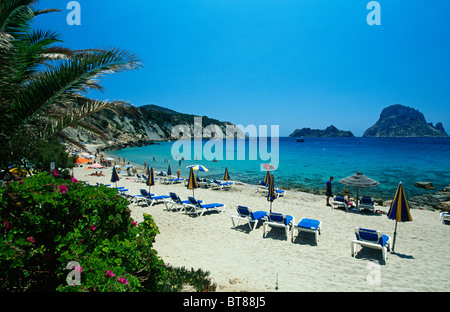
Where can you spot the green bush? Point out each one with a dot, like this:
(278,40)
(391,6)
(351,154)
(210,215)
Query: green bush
(47,222)
(46,152)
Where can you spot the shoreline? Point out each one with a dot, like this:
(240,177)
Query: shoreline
(242,260)
(418,201)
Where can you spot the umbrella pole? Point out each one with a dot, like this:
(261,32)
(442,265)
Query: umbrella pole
(357,198)
(395,236)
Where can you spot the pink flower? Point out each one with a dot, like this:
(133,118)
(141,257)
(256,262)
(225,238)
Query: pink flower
(93,227)
(78,268)
(31,239)
(7,225)
(55,173)
(134,223)
(123,280)
(74,180)
(63,188)
(109,274)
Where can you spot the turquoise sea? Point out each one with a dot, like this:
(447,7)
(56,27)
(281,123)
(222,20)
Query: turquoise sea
(308,165)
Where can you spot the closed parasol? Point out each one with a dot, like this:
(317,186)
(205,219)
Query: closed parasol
(226,177)
(271,194)
(150,179)
(192,182)
(115,176)
(399,210)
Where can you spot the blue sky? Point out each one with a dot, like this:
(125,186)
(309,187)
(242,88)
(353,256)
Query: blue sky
(293,63)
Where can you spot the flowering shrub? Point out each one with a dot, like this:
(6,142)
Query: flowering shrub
(47,222)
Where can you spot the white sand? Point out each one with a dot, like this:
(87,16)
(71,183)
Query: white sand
(243,260)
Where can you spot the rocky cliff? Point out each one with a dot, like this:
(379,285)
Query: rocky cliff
(403,121)
(138,126)
(329,132)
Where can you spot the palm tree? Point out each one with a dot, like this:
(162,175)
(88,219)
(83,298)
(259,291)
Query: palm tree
(43,85)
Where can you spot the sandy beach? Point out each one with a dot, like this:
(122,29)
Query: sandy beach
(243,260)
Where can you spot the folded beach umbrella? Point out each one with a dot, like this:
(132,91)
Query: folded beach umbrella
(169,171)
(115,176)
(267,178)
(399,210)
(226,176)
(150,179)
(271,195)
(359,180)
(192,182)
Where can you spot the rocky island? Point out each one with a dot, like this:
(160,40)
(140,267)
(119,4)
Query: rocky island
(403,121)
(329,132)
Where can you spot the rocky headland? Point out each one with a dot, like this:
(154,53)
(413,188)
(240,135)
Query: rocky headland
(138,126)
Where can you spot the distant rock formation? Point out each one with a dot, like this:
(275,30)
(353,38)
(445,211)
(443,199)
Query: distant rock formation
(139,126)
(403,121)
(329,132)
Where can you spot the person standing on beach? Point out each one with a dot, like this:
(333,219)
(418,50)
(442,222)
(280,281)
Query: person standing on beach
(328,190)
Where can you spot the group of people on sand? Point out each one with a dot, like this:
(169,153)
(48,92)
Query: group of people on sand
(98,174)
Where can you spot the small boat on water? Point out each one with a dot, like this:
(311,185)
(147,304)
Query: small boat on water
(300,140)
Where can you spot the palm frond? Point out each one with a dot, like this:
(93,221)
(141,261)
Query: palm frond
(42,86)
(67,79)
(74,117)
(15,16)
(65,137)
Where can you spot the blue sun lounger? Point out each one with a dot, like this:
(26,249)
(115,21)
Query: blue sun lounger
(371,239)
(246,214)
(200,208)
(175,201)
(221,185)
(444,217)
(279,220)
(340,202)
(151,198)
(367,203)
(310,226)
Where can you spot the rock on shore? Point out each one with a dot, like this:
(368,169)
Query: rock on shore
(425,185)
(437,201)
